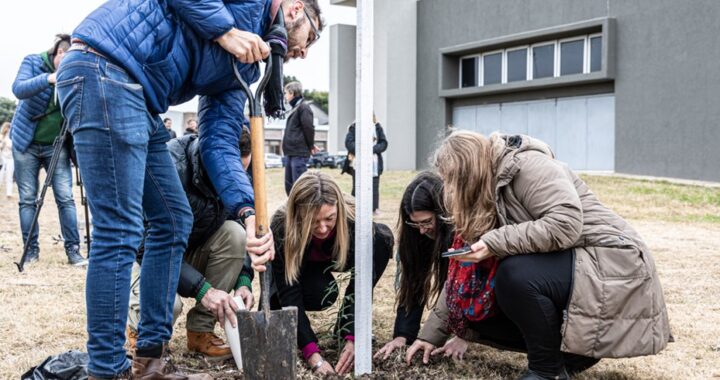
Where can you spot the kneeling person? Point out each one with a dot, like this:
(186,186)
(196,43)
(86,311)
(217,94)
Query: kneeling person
(214,263)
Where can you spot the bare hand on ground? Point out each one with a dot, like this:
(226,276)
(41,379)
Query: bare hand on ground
(454,348)
(419,345)
(221,304)
(389,347)
(261,249)
(347,359)
(245,46)
(324,370)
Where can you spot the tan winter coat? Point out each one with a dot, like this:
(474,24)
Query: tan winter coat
(616,306)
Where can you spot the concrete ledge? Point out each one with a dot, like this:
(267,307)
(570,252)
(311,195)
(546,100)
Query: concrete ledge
(676,181)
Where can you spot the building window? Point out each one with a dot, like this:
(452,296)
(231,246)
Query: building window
(543,61)
(492,68)
(572,54)
(468,72)
(595,53)
(516,65)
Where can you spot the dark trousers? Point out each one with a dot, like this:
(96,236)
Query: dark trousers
(376,191)
(532,291)
(295,166)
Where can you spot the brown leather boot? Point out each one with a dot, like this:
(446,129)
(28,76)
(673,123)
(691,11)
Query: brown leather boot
(131,339)
(161,369)
(208,344)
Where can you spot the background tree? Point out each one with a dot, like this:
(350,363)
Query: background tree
(320,98)
(7,109)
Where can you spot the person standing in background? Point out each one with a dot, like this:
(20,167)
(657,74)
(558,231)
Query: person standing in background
(299,138)
(379,146)
(8,166)
(191,127)
(168,125)
(36,124)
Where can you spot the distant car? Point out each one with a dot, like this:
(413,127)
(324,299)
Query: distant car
(273,160)
(317,160)
(340,159)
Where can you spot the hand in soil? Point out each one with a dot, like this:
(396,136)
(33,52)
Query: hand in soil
(454,348)
(347,358)
(324,370)
(389,347)
(419,345)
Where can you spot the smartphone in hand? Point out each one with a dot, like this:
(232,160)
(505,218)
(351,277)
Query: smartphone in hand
(457,252)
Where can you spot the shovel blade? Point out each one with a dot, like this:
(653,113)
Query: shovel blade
(268,343)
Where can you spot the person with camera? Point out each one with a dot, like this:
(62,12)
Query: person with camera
(128,62)
(36,124)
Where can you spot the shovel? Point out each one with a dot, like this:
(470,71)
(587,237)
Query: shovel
(267,337)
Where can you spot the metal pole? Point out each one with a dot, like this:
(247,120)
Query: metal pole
(363,188)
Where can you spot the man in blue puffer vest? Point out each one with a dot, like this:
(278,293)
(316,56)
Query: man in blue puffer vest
(36,124)
(129,61)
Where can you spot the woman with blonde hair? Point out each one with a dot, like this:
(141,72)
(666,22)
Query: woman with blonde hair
(6,158)
(553,271)
(314,236)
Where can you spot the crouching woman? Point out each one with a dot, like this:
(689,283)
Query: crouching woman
(552,271)
(314,236)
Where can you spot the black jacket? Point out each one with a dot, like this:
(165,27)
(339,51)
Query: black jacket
(299,137)
(379,147)
(292,294)
(208,211)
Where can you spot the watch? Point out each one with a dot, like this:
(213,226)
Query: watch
(244,214)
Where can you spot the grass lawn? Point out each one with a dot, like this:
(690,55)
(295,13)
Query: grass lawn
(44,309)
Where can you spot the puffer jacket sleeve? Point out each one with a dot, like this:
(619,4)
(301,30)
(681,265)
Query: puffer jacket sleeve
(545,190)
(26,84)
(221,121)
(210,19)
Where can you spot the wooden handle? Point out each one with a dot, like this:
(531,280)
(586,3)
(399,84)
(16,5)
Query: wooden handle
(257,142)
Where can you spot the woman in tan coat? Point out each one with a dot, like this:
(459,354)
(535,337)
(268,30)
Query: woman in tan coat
(551,271)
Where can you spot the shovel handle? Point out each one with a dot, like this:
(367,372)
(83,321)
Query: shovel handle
(257,143)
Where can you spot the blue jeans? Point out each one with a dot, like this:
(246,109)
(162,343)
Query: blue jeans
(128,174)
(295,166)
(27,169)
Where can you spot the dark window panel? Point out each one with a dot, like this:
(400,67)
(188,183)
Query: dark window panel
(492,69)
(468,78)
(571,57)
(543,61)
(517,65)
(595,54)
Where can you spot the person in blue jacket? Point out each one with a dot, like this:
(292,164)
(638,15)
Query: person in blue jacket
(129,61)
(36,124)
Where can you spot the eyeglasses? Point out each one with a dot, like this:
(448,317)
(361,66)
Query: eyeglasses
(314,29)
(425,224)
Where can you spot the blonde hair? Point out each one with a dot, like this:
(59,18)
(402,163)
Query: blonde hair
(464,160)
(310,192)
(5,129)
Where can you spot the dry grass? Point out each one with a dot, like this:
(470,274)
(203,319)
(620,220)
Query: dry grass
(43,308)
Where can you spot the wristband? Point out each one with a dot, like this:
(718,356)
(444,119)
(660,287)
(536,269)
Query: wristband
(246,213)
(206,286)
(318,364)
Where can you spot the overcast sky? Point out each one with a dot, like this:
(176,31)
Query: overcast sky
(28,26)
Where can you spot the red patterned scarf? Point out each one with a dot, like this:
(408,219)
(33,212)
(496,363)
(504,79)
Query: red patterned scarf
(470,290)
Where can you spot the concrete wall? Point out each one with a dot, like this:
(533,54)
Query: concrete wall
(341,99)
(665,85)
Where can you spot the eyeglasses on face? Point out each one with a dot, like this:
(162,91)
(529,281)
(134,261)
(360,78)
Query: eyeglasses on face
(316,33)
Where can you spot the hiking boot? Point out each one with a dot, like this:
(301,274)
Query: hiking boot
(131,337)
(33,255)
(127,375)
(208,344)
(74,257)
(161,369)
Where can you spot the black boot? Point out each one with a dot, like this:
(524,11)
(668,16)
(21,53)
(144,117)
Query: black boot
(531,375)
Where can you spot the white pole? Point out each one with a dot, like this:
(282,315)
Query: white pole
(363,188)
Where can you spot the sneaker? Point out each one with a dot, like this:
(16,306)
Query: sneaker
(208,344)
(33,255)
(75,258)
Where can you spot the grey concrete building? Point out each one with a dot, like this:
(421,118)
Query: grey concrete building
(624,86)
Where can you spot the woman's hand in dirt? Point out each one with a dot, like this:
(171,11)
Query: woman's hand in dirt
(347,359)
(390,346)
(246,295)
(454,348)
(418,345)
(324,369)
(480,252)
(221,305)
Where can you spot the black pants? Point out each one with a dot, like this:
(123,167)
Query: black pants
(295,166)
(376,191)
(532,291)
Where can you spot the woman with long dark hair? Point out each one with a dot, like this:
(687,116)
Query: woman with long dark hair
(423,234)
